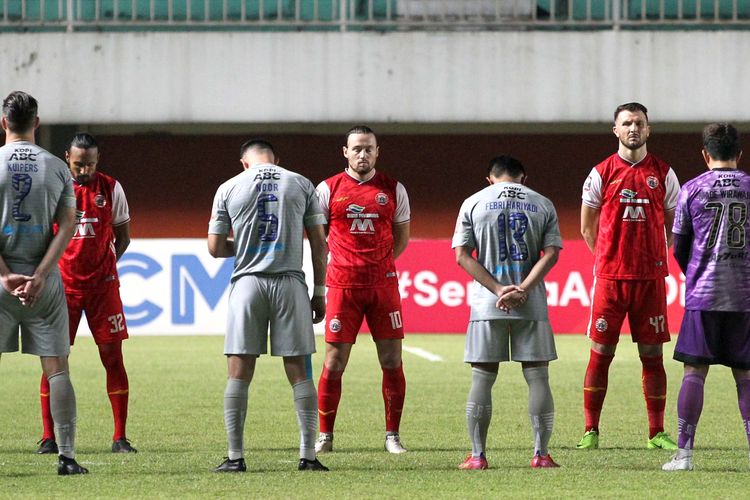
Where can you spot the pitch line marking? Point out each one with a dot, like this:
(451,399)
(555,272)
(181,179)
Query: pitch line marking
(418,351)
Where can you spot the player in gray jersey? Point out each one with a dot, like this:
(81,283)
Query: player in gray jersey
(515,235)
(267,209)
(711,229)
(36,192)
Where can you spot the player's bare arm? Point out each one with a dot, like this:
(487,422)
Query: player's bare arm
(516,298)
(668,220)
(319,251)
(65,219)
(400,238)
(122,238)
(590,225)
(220,246)
(467,261)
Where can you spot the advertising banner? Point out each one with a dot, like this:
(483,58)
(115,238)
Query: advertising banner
(173,286)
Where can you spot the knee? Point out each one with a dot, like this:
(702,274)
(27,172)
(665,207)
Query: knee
(111,357)
(390,361)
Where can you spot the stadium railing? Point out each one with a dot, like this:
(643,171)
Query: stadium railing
(355,15)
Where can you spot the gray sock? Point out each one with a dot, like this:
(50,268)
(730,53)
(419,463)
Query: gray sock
(306,406)
(541,407)
(479,409)
(235,409)
(62,405)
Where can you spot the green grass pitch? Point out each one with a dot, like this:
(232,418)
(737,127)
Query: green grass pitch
(176,422)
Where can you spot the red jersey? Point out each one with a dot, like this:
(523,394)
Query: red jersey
(632,198)
(360,218)
(89,262)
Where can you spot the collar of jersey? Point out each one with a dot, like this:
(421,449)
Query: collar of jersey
(630,162)
(346,170)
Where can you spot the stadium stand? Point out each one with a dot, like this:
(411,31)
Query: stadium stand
(345,15)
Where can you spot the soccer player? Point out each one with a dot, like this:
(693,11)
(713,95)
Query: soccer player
(628,201)
(89,273)
(710,244)
(516,237)
(368,228)
(35,193)
(267,208)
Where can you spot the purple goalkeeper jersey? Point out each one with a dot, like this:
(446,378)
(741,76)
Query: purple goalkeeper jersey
(712,211)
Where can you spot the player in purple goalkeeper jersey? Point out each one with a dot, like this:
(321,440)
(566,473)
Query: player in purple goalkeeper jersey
(711,229)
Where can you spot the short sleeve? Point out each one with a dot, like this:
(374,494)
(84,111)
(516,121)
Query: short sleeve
(220,222)
(324,198)
(592,190)
(552,236)
(120,210)
(403,211)
(463,234)
(682,222)
(313,211)
(672,188)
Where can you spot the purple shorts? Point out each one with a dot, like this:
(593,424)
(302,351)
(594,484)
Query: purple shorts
(714,338)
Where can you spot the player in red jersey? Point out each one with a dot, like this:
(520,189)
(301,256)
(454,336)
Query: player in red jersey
(368,228)
(628,201)
(89,273)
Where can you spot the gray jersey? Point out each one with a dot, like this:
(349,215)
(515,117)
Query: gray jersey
(33,185)
(266,207)
(509,225)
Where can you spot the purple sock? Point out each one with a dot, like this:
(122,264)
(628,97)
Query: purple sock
(743,398)
(689,407)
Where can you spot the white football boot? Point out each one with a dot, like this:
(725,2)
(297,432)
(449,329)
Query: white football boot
(393,443)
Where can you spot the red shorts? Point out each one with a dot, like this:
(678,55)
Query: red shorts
(103,313)
(347,307)
(645,303)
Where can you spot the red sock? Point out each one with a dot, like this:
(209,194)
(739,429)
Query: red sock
(394,392)
(655,392)
(329,395)
(595,387)
(47,423)
(117,385)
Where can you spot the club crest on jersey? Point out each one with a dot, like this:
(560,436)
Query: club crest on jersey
(601,325)
(381,198)
(652,182)
(100,201)
(335,325)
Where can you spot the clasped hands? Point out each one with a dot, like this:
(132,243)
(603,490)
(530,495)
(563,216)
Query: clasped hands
(510,297)
(26,288)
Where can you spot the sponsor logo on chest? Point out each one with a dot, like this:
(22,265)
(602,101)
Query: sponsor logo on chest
(85,226)
(362,222)
(634,210)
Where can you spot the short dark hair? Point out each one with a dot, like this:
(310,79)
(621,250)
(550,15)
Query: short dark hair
(507,165)
(257,145)
(633,107)
(83,140)
(359,129)
(722,141)
(20,111)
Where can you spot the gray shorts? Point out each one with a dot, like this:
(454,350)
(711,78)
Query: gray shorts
(44,327)
(493,341)
(281,302)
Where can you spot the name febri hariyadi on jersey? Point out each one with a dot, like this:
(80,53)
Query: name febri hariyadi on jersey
(511,205)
